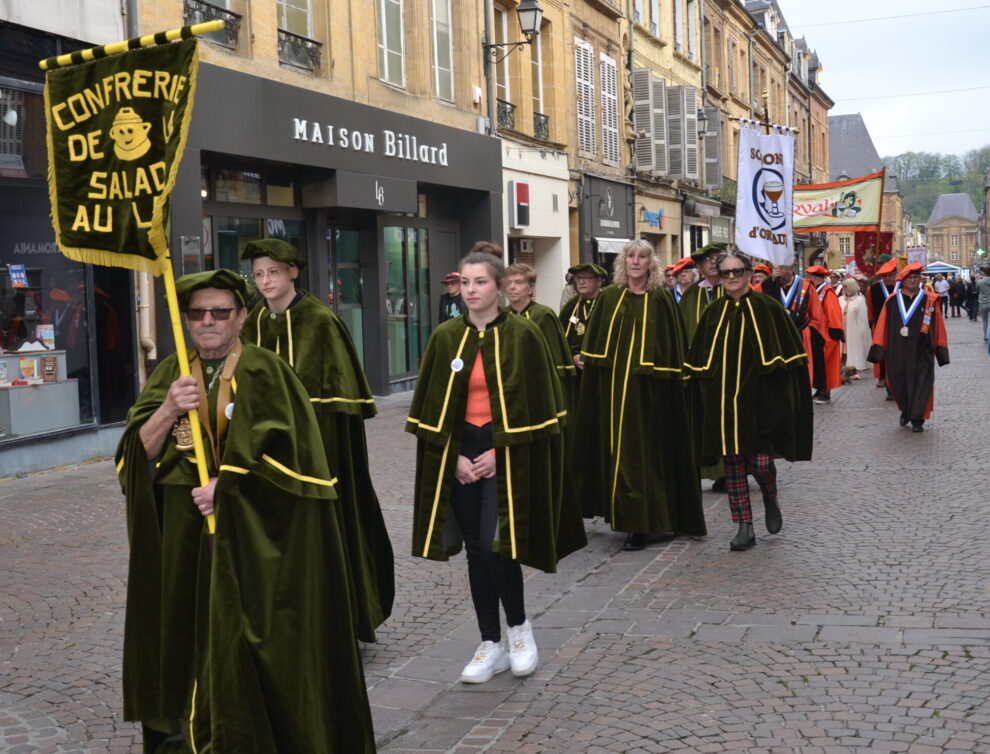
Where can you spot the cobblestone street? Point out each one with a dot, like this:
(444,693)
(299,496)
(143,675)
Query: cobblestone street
(863,626)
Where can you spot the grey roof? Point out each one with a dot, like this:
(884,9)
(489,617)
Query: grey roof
(953,204)
(850,149)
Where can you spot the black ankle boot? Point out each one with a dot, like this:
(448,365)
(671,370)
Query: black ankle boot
(918,425)
(775,521)
(744,538)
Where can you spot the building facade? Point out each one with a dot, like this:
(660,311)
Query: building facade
(68,365)
(952,231)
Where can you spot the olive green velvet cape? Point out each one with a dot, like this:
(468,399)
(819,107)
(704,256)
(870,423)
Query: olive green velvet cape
(250,634)
(632,446)
(546,319)
(693,302)
(318,347)
(748,374)
(527,408)
(574,316)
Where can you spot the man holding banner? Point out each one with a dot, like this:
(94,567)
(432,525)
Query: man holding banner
(826,356)
(223,631)
(238,606)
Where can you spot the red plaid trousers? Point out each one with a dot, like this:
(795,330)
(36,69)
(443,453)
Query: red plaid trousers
(761,466)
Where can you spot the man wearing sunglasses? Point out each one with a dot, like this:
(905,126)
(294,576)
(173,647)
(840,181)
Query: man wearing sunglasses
(750,395)
(223,630)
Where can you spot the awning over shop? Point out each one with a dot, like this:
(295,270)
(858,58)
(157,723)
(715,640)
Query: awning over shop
(611,245)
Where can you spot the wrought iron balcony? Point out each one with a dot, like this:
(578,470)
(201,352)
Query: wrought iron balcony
(200,11)
(727,193)
(299,51)
(541,126)
(506,114)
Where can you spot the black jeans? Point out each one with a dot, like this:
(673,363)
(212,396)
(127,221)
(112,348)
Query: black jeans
(492,578)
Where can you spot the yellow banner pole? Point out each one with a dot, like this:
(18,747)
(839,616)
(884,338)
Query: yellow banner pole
(162,37)
(183,356)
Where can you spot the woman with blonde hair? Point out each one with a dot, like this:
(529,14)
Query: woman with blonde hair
(633,448)
(857,327)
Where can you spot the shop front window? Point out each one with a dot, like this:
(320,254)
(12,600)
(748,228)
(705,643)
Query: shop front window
(238,186)
(407,297)
(231,235)
(346,285)
(22,134)
(46,380)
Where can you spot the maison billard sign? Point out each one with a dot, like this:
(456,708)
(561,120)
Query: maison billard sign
(389,143)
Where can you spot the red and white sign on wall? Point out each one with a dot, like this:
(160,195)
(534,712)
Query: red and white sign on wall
(519,204)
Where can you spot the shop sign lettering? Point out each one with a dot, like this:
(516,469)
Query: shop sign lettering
(389,143)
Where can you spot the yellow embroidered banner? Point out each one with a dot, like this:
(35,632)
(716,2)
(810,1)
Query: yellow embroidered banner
(117,129)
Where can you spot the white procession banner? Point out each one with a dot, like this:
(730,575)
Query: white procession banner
(764,218)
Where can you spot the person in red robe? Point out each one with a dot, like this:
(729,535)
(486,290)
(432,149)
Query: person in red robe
(826,356)
(910,336)
(876,295)
(799,297)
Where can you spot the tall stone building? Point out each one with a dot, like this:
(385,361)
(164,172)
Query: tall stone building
(952,230)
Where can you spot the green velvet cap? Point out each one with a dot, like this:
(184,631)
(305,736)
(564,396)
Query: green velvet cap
(588,267)
(223,279)
(883,258)
(707,249)
(275,248)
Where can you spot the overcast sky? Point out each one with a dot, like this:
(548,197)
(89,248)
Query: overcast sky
(865,62)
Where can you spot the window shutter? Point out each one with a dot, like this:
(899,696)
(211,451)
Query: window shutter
(642,91)
(610,110)
(661,166)
(583,71)
(682,133)
(713,149)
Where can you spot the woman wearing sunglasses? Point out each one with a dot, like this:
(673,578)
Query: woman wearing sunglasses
(316,344)
(748,375)
(632,445)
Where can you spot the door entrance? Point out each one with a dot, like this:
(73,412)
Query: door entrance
(345,284)
(407,297)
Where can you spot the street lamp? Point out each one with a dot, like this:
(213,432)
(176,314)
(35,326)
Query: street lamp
(530,15)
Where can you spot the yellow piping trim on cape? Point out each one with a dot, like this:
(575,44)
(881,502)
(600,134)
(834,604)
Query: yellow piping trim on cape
(501,395)
(724,367)
(235,469)
(512,513)
(735,398)
(446,398)
(436,500)
(759,339)
(642,344)
(257,324)
(301,477)
(711,353)
(192,717)
(622,416)
(288,329)
(611,411)
(342,400)
(120,465)
(608,337)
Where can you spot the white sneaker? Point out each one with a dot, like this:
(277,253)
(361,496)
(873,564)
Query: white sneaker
(489,658)
(522,649)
